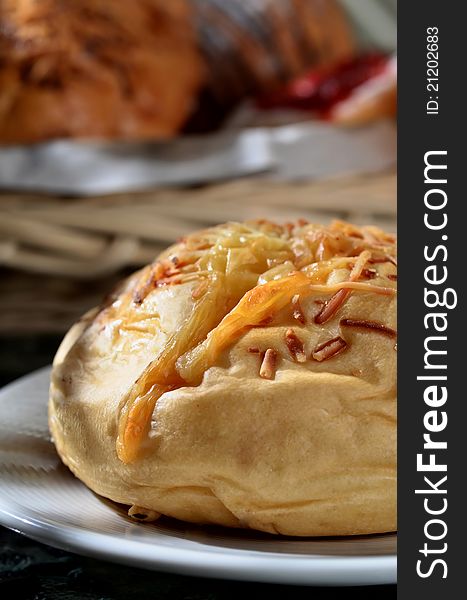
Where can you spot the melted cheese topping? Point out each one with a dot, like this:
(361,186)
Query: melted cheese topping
(246,273)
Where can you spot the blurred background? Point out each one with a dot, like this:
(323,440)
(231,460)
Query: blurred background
(124,126)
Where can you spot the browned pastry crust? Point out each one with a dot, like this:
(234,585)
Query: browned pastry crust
(96,68)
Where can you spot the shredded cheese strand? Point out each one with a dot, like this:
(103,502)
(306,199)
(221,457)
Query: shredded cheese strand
(334,303)
(161,375)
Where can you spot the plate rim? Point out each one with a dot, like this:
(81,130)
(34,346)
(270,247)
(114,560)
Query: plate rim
(231,563)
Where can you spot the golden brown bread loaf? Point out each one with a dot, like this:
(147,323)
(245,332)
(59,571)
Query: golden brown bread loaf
(96,68)
(142,69)
(246,378)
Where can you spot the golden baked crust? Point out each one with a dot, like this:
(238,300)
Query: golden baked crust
(96,68)
(246,378)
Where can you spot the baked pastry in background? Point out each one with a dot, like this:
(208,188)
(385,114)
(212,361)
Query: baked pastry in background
(353,92)
(96,68)
(376,98)
(147,68)
(246,378)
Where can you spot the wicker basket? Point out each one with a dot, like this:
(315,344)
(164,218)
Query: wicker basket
(62,254)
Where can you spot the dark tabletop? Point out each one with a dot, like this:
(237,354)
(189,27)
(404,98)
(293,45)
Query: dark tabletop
(29,570)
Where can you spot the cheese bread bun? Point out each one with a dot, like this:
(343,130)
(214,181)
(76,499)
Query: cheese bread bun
(246,378)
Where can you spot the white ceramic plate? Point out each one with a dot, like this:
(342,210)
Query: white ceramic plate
(41,498)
